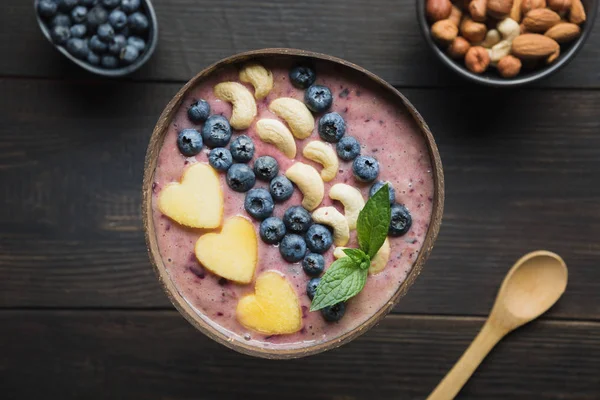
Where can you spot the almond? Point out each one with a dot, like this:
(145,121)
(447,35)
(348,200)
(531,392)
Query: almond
(499,8)
(444,31)
(528,5)
(540,20)
(563,32)
(577,13)
(533,45)
(560,6)
(438,9)
(553,56)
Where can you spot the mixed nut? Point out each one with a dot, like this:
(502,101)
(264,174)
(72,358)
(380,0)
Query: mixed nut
(505,34)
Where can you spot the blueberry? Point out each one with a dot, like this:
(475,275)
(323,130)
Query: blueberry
(189,142)
(117,44)
(242,149)
(97,45)
(67,5)
(348,148)
(106,33)
(78,31)
(220,159)
(61,20)
(240,178)
(313,264)
(297,219)
(216,132)
(292,248)
(88,3)
(302,76)
(109,62)
(130,6)
(281,188)
(401,220)
(272,230)
(365,168)
(259,203)
(110,3)
(311,287)
(266,168)
(96,17)
(377,185)
(60,34)
(334,313)
(199,110)
(93,58)
(138,22)
(79,14)
(129,54)
(318,98)
(332,127)
(318,238)
(78,48)
(138,43)
(118,19)
(47,8)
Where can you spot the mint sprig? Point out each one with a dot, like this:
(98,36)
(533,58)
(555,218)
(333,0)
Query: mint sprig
(346,277)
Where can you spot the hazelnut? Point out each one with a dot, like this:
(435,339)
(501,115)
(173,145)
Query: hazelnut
(477,59)
(509,66)
(459,48)
(477,9)
(528,5)
(438,9)
(499,8)
(455,15)
(473,31)
(444,31)
(560,6)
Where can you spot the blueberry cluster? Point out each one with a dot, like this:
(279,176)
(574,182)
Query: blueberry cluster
(106,33)
(401,220)
(332,127)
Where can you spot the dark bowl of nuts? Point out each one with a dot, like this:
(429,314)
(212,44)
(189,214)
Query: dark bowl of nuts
(506,42)
(106,37)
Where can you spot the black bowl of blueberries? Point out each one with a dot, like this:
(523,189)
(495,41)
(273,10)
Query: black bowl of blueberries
(106,37)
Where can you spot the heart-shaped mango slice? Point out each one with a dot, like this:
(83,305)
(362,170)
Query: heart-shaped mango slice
(232,253)
(273,309)
(196,201)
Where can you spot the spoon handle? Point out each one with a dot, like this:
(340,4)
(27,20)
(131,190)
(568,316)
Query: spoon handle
(449,387)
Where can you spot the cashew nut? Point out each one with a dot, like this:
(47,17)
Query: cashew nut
(295,113)
(509,29)
(332,217)
(499,50)
(378,262)
(491,38)
(259,77)
(309,182)
(352,200)
(324,154)
(275,132)
(244,106)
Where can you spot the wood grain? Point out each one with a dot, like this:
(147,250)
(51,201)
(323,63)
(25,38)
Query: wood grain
(380,35)
(157,355)
(71,160)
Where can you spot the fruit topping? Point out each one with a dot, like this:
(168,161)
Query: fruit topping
(259,203)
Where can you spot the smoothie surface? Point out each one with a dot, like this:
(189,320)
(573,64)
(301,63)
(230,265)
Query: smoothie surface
(385,130)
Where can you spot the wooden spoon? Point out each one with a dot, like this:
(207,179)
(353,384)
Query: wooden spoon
(529,289)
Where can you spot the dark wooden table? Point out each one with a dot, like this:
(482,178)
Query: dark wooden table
(82,315)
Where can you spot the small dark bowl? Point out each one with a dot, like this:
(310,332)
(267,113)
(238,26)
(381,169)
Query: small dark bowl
(116,72)
(491,77)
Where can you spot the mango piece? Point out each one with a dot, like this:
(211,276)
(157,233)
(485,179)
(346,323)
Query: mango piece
(196,201)
(273,309)
(231,253)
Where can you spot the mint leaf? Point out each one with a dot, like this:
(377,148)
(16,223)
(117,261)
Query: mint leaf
(355,254)
(374,222)
(342,280)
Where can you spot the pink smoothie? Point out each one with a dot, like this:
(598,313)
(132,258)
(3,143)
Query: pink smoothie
(385,130)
